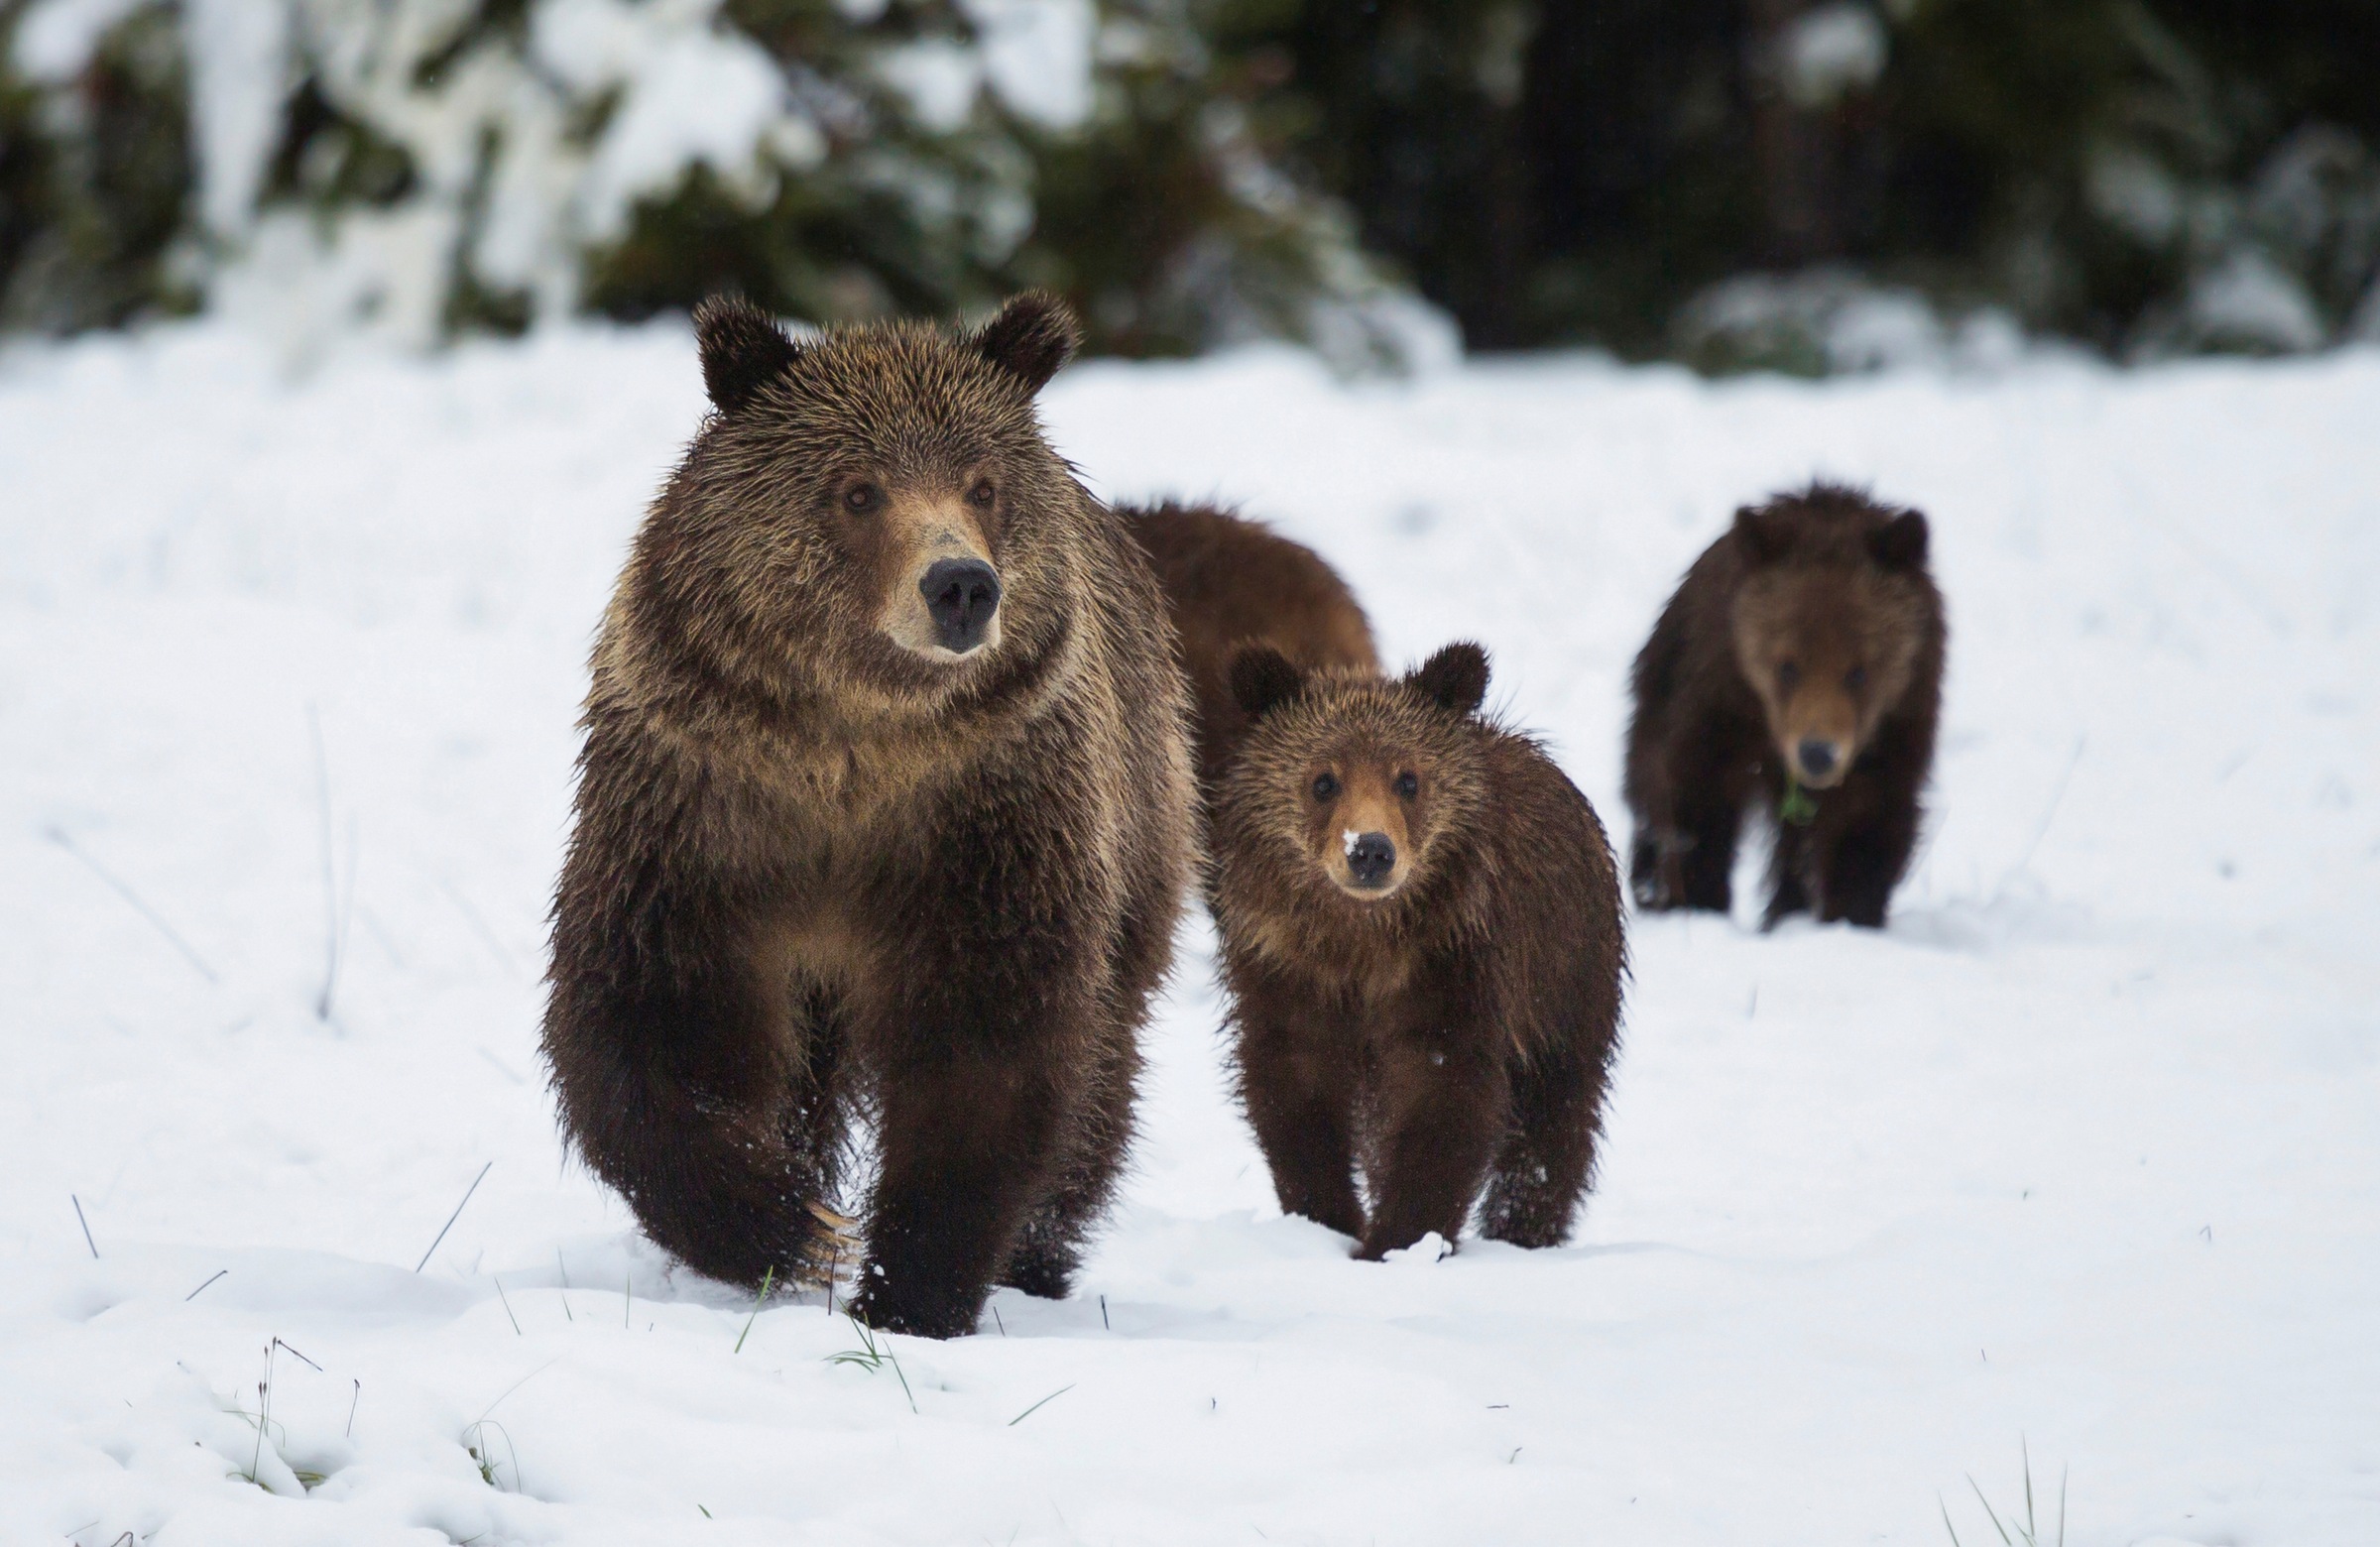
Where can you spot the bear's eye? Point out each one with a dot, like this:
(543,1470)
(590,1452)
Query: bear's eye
(1789,676)
(981,495)
(1326,787)
(862,498)
(1407,786)
(1855,678)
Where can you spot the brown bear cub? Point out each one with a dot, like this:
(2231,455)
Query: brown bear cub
(885,811)
(1232,581)
(1800,662)
(1421,938)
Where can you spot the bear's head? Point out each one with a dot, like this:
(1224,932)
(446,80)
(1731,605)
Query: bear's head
(1828,620)
(873,513)
(1347,784)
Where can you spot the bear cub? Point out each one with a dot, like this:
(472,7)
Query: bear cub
(1799,664)
(1420,924)
(883,820)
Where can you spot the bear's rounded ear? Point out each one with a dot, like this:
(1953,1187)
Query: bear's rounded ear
(1264,679)
(743,350)
(1764,532)
(1034,335)
(1456,678)
(1900,544)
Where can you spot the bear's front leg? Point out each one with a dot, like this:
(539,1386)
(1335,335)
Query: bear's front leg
(1442,1097)
(1864,835)
(1865,868)
(1298,1061)
(1547,1154)
(967,1137)
(980,1051)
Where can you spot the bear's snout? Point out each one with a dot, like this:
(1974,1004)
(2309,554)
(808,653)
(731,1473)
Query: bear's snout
(961,596)
(1370,859)
(1817,759)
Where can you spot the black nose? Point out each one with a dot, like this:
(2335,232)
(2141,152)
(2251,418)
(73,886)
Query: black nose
(1370,858)
(1816,756)
(961,594)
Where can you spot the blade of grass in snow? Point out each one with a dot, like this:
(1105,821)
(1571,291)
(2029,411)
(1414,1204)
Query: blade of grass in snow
(758,1300)
(873,1356)
(456,1215)
(57,835)
(1044,1402)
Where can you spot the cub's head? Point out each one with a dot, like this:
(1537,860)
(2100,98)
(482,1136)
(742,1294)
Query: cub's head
(876,506)
(1834,611)
(1347,785)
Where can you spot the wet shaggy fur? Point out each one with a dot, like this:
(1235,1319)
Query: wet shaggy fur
(1812,628)
(825,866)
(1231,581)
(1451,1030)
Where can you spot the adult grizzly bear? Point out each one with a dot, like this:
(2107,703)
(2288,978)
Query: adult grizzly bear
(1421,937)
(885,808)
(1800,661)
(1231,581)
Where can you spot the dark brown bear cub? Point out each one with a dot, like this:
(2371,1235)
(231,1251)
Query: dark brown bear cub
(1800,664)
(1232,581)
(884,808)
(1421,938)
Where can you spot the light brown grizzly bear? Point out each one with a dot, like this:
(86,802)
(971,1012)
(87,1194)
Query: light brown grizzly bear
(884,808)
(1232,581)
(1799,662)
(1421,938)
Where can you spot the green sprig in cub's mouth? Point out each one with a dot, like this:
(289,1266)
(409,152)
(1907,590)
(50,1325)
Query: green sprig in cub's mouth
(1799,806)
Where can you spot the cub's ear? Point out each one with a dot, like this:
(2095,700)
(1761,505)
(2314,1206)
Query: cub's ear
(1764,532)
(1033,335)
(1900,544)
(1264,679)
(1454,679)
(743,350)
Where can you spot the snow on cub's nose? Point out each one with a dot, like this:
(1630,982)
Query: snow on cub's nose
(1370,856)
(1365,845)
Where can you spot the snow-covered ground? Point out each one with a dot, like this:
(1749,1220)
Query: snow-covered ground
(2082,1155)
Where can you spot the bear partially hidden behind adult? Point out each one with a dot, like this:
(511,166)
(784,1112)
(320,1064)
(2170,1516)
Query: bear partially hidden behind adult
(885,808)
(1799,665)
(1231,581)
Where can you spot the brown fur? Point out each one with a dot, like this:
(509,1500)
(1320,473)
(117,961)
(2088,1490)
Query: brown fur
(1232,581)
(823,866)
(1813,622)
(1452,1028)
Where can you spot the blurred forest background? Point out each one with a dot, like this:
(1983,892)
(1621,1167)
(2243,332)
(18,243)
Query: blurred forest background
(1802,185)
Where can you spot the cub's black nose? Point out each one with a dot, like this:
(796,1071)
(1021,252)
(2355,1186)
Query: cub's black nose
(1370,858)
(1815,757)
(961,595)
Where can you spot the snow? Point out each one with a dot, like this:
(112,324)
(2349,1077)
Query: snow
(692,93)
(1832,50)
(2082,1155)
(239,59)
(54,39)
(1037,54)
(939,77)
(2249,299)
